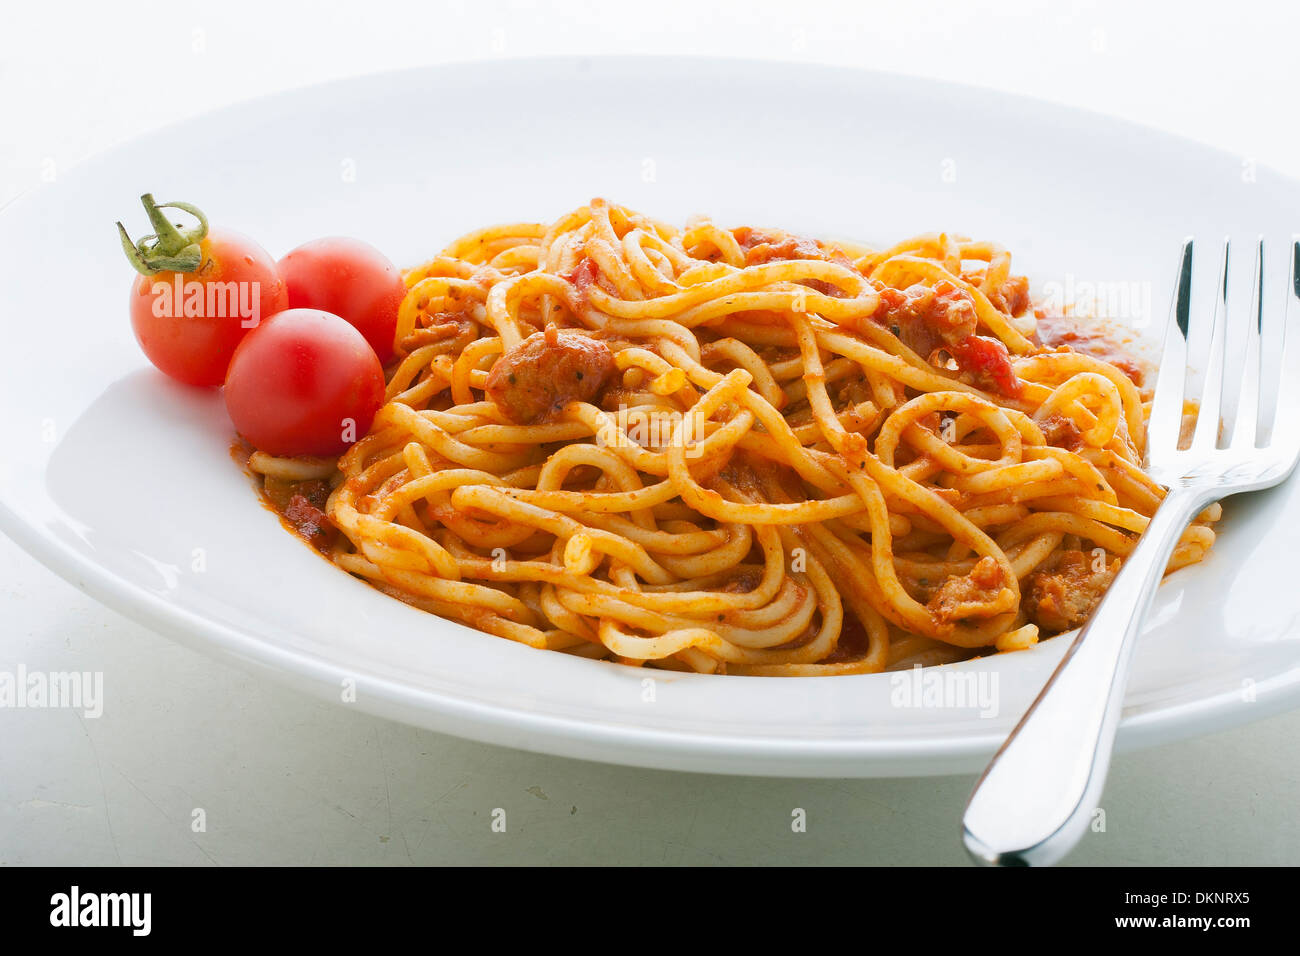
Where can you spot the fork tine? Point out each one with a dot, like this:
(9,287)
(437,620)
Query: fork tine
(1206,352)
(1244,424)
(1166,419)
(1281,414)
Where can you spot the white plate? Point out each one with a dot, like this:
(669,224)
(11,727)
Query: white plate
(123,482)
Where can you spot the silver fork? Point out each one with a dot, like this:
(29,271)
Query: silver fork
(1037,796)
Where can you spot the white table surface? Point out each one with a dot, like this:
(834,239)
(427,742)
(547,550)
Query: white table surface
(286,779)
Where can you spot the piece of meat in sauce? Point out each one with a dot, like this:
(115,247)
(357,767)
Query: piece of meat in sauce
(302,505)
(962,595)
(941,319)
(1013,296)
(1061,597)
(761,246)
(538,377)
(582,277)
(1062,432)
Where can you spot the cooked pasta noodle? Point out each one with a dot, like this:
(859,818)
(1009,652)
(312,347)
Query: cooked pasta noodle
(736,451)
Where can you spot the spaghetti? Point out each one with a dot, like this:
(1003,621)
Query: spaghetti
(736,451)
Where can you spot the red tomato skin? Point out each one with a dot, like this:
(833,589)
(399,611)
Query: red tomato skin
(196,349)
(352,279)
(304,382)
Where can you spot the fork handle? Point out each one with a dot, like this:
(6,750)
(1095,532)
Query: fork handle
(1038,795)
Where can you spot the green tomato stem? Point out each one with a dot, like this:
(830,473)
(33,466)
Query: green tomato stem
(171,247)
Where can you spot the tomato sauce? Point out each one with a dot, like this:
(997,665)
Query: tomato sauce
(300,505)
(854,643)
(1091,337)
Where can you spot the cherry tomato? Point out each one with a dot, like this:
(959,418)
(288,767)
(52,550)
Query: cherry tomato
(198,294)
(304,382)
(352,279)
